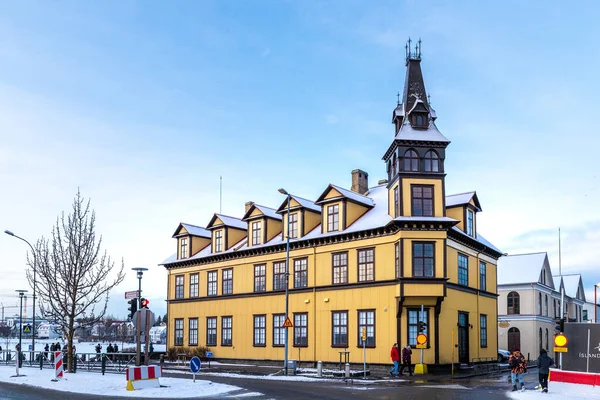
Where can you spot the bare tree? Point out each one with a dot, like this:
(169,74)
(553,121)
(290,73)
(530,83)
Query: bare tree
(74,278)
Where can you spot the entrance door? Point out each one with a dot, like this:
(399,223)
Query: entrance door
(463,337)
(514,339)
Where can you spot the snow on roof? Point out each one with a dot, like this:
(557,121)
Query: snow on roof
(426,219)
(556,280)
(520,268)
(571,283)
(268,211)
(196,230)
(359,198)
(459,199)
(431,134)
(480,239)
(170,259)
(232,221)
(307,203)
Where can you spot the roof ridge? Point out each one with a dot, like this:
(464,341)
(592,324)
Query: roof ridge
(350,190)
(228,216)
(187,223)
(527,254)
(303,198)
(458,194)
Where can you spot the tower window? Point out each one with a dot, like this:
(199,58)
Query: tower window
(419,120)
(432,161)
(470,230)
(411,161)
(422,200)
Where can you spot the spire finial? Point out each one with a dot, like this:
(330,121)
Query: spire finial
(398,95)
(429,99)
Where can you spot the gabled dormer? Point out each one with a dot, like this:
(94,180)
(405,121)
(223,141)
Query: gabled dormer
(341,207)
(190,239)
(263,224)
(226,232)
(304,216)
(546,274)
(464,208)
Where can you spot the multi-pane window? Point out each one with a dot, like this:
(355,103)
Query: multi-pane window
(546,306)
(366,265)
(396,201)
(194,285)
(278,330)
(211,331)
(423,259)
(193,331)
(432,161)
(179,287)
(339,334)
(260,278)
(483,330)
(301,272)
(340,268)
(179,332)
(184,246)
(228,281)
(333,218)
(547,343)
(260,330)
(279,275)
(366,320)
(293,226)
(300,329)
(411,161)
(226,330)
(255,233)
(470,230)
(218,241)
(422,200)
(482,276)
(414,316)
(512,303)
(463,270)
(539,304)
(212,283)
(397,259)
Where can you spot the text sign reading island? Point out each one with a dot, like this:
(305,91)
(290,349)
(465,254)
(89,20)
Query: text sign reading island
(287,323)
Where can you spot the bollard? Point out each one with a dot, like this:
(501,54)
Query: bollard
(74,363)
(103,364)
(347,370)
(320,369)
(162,360)
(41,361)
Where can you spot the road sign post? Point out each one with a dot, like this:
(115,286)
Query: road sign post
(195,365)
(560,343)
(364,340)
(134,294)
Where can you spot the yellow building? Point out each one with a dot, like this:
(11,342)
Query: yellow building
(361,258)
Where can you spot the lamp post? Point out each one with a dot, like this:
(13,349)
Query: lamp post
(140,273)
(34,285)
(21,293)
(596,286)
(287,278)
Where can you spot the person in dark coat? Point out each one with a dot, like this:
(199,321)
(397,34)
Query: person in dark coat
(406,359)
(544,363)
(395,356)
(518,366)
(116,348)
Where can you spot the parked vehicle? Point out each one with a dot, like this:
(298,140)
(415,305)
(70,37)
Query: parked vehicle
(503,355)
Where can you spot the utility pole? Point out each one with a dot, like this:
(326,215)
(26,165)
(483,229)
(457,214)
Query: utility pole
(140,273)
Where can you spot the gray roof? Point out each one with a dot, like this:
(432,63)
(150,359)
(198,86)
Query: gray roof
(232,221)
(520,268)
(431,134)
(196,230)
(459,199)
(572,284)
(356,197)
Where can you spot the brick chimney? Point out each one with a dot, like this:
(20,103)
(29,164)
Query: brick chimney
(248,205)
(360,181)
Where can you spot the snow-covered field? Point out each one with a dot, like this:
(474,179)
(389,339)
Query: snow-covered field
(113,384)
(82,347)
(559,390)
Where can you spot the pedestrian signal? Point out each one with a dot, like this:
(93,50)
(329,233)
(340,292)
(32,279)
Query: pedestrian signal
(132,307)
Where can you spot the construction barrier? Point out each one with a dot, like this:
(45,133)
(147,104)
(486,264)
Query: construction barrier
(143,377)
(58,364)
(582,378)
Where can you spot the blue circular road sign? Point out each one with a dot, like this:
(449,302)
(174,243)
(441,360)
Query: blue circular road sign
(195,364)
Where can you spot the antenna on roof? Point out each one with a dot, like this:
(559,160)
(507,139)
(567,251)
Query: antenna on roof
(429,99)
(559,263)
(418,49)
(220,195)
(398,95)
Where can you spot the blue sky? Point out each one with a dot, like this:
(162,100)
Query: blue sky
(143,105)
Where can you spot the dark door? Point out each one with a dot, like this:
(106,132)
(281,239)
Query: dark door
(514,339)
(463,337)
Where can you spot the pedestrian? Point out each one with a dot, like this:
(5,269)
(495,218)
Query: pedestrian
(406,359)
(110,348)
(116,348)
(46,349)
(98,348)
(544,363)
(518,366)
(395,359)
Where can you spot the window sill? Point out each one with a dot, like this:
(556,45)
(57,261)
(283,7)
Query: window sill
(259,345)
(369,346)
(211,345)
(300,345)
(193,344)
(339,346)
(226,345)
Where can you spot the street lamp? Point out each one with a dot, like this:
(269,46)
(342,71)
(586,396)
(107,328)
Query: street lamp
(287,277)
(140,273)
(21,293)
(34,285)
(596,286)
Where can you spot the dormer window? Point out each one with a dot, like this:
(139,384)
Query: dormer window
(184,252)
(432,162)
(333,218)
(255,233)
(419,120)
(218,241)
(293,227)
(470,221)
(411,161)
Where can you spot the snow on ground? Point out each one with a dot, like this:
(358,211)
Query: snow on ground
(559,390)
(113,384)
(82,347)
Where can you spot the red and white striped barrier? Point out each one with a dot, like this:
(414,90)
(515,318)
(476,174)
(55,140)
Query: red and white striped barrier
(58,364)
(143,377)
(582,378)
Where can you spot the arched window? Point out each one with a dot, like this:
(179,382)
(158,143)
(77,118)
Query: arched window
(394,164)
(546,339)
(420,120)
(514,339)
(539,304)
(411,161)
(512,304)
(546,306)
(540,339)
(432,161)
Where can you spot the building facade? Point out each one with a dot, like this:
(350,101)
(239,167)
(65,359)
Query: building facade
(360,260)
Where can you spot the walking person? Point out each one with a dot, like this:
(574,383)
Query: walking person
(518,366)
(406,359)
(395,359)
(544,363)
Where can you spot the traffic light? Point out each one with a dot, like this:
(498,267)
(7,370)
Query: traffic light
(421,326)
(144,302)
(560,325)
(132,307)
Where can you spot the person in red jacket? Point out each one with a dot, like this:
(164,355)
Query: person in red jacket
(395,359)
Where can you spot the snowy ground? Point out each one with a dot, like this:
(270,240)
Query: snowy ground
(559,390)
(115,384)
(83,347)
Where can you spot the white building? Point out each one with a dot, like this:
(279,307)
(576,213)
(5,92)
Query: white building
(158,334)
(49,331)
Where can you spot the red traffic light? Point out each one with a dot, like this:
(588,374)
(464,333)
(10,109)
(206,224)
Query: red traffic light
(145,303)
